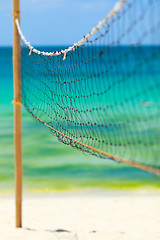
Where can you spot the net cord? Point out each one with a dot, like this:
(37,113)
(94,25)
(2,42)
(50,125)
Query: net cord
(117,7)
(144,167)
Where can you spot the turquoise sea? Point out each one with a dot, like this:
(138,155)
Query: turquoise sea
(48,164)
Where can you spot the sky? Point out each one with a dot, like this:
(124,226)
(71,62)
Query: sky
(53,22)
(60,22)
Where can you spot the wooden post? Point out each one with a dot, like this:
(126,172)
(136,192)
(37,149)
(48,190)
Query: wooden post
(17,114)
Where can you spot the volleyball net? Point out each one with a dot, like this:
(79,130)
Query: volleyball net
(102,95)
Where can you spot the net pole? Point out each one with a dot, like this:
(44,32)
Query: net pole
(17,114)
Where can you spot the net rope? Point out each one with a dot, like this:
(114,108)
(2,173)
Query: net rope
(117,7)
(102,97)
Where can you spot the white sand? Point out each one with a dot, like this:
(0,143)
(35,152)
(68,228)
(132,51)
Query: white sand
(113,216)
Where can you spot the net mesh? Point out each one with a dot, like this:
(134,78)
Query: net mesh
(104,97)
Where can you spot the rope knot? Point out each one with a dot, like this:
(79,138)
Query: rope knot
(16,103)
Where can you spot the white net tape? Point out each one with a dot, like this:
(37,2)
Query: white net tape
(117,7)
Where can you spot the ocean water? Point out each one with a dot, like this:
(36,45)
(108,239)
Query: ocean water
(110,102)
(48,164)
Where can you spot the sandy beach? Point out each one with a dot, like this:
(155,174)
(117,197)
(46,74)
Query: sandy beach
(83,216)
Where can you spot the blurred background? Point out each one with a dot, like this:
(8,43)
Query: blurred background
(48,164)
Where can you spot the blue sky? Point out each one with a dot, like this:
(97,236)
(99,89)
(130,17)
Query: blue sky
(62,22)
(53,22)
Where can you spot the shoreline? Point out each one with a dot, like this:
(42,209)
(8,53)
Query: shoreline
(93,192)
